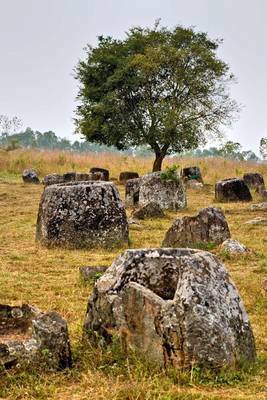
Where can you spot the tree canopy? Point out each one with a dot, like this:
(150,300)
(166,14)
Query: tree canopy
(165,88)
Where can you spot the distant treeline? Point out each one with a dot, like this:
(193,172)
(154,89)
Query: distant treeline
(50,141)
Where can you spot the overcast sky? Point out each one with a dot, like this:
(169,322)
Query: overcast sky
(42,40)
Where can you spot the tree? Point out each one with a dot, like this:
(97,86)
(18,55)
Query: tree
(46,140)
(9,125)
(158,87)
(249,155)
(231,150)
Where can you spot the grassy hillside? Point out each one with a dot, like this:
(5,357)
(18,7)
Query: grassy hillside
(49,279)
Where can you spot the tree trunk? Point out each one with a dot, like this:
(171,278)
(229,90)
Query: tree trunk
(158,162)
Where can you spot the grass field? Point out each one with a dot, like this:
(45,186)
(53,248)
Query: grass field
(49,279)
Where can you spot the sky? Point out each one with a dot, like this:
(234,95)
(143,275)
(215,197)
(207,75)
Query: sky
(41,41)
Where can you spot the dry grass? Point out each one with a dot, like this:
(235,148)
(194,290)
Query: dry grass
(12,164)
(49,279)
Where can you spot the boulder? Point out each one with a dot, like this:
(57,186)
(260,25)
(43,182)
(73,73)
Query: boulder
(192,173)
(132,189)
(232,246)
(53,179)
(31,338)
(233,189)
(82,214)
(126,175)
(150,210)
(176,307)
(209,226)
(169,194)
(97,171)
(30,176)
(255,181)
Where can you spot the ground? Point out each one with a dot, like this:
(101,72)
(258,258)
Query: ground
(49,279)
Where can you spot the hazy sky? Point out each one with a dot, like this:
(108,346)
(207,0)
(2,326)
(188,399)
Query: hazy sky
(42,40)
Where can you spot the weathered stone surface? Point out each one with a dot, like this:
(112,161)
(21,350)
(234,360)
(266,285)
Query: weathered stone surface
(233,246)
(51,333)
(209,226)
(132,189)
(31,338)
(177,307)
(53,179)
(30,176)
(192,173)
(82,214)
(169,194)
(150,210)
(233,189)
(255,181)
(90,272)
(104,173)
(126,175)
(69,177)
(259,206)
(81,176)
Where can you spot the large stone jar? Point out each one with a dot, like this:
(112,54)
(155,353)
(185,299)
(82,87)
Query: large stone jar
(82,214)
(177,307)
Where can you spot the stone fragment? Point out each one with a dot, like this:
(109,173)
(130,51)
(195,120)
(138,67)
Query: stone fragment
(29,337)
(192,173)
(169,194)
(259,206)
(176,307)
(132,189)
(233,246)
(126,175)
(53,179)
(91,272)
(30,176)
(255,181)
(193,184)
(150,210)
(209,226)
(82,214)
(104,173)
(233,189)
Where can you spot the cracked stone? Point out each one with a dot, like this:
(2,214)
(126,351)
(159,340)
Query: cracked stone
(29,337)
(209,226)
(178,307)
